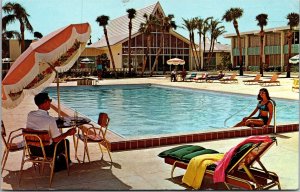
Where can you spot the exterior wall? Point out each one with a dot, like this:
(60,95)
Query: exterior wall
(91,52)
(14,49)
(236,51)
(219,58)
(174,46)
(275,53)
(117,54)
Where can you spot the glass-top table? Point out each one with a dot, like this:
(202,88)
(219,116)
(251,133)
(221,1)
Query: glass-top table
(66,122)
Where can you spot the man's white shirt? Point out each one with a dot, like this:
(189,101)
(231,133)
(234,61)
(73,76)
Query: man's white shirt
(41,120)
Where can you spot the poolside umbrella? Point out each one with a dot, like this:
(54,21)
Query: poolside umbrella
(6,60)
(38,66)
(175,61)
(87,61)
(294,59)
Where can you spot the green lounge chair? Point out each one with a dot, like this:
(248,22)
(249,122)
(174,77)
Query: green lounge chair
(240,172)
(191,77)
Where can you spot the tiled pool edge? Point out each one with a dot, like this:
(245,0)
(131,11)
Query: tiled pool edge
(118,143)
(197,137)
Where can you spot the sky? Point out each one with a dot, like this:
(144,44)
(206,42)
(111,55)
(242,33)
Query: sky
(47,16)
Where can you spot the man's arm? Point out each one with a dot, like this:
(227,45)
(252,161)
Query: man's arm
(64,135)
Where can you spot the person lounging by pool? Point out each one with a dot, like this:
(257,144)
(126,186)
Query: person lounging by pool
(265,108)
(215,77)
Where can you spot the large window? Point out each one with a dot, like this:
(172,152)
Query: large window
(254,41)
(272,39)
(295,38)
(172,47)
(253,60)
(236,42)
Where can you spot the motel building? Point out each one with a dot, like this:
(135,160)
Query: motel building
(175,46)
(275,53)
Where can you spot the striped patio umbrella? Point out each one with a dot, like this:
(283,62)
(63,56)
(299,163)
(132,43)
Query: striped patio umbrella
(175,61)
(38,66)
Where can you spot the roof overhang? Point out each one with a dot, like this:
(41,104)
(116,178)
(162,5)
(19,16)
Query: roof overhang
(255,32)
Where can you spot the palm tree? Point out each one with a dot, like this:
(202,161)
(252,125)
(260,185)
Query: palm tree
(206,27)
(194,27)
(37,35)
(103,21)
(293,22)
(262,20)
(11,34)
(189,25)
(15,12)
(199,26)
(217,32)
(146,28)
(166,24)
(131,15)
(232,15)
(213,29)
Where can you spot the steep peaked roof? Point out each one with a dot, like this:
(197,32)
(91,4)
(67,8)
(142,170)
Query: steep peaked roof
(117,29)
(217,48)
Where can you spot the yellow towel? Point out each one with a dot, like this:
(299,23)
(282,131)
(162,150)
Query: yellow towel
(196,169)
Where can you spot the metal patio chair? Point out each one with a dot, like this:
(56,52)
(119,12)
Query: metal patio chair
(88,133)
(42,139)
(11,145)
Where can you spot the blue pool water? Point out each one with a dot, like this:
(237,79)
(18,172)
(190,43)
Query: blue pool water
(147,110)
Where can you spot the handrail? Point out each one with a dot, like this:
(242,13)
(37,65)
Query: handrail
(274,114)
(236,113)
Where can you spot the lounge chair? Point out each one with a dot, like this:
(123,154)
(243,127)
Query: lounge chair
(272,81)
(230,79)
(191,77)
(201,79)
(211,79)
(256,80)
(240,171)
(295,84)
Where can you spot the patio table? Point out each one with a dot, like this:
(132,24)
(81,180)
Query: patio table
(70,122)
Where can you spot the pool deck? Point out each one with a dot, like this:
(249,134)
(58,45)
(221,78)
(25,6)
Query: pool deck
(142,169)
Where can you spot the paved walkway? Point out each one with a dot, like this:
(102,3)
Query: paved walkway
(142,169)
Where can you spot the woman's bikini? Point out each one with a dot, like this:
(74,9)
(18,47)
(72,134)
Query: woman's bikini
(263,107)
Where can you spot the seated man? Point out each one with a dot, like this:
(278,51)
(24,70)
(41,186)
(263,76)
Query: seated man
(41,120)
(173,75)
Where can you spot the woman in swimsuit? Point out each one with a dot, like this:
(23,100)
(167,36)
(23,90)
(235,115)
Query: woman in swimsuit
(265,108)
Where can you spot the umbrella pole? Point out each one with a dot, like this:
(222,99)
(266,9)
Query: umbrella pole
(58,99)
(57,88)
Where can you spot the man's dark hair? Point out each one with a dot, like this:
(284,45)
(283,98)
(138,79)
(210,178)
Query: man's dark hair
(41,98)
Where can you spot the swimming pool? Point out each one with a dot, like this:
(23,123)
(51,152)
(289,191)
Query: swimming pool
(148,110)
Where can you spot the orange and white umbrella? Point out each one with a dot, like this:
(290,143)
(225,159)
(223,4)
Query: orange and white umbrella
(37,67)
(175,61)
